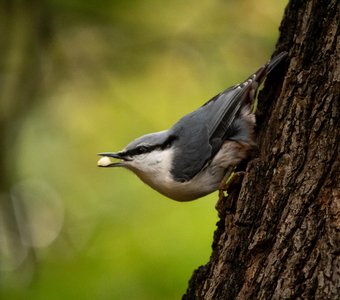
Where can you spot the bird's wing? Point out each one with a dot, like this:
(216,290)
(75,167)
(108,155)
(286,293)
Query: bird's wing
(202,132)
(223,110)
(192,147)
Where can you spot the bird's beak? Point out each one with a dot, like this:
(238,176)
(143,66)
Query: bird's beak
(105,160)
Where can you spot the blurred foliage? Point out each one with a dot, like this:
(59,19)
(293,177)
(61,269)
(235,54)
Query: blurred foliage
(85,76)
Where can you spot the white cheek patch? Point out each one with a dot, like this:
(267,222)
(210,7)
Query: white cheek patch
(104,161)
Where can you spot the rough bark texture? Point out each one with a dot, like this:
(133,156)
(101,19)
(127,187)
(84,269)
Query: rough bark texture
(279,231)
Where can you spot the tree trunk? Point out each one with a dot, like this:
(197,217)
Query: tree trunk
(278,234)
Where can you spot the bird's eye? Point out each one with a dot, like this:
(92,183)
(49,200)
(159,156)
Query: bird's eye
(141,149)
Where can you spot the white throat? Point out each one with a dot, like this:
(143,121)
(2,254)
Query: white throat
(153,168)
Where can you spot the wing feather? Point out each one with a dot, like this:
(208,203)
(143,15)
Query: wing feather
(201,133)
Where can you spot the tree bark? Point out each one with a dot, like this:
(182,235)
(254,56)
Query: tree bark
(278,236)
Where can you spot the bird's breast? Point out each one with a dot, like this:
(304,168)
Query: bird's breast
(204,183)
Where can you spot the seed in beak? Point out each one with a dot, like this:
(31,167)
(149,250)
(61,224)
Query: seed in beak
(104,161)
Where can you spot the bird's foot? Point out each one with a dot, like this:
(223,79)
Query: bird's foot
(225,183)
(229,182)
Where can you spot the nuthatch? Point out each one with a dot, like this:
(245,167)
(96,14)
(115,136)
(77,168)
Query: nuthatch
(191,159)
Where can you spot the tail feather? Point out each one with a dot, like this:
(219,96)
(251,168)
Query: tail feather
(262,73)
(275,61)
(225,107)
(260,76)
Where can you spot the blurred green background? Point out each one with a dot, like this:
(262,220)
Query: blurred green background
(79,77)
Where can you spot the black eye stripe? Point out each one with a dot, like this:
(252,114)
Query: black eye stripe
(167,143)
(142,149)
(149,148)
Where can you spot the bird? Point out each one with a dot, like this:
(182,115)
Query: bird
(193,158)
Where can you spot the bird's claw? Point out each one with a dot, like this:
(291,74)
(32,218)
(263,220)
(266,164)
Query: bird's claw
(225,183)
(233,179)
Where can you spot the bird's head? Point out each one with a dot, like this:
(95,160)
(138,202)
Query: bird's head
(146,156)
